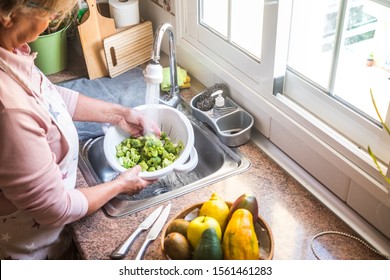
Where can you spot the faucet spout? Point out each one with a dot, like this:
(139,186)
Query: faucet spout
(173,98)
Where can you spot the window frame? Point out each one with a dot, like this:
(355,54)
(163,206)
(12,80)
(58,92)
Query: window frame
(264,98)
(260,73)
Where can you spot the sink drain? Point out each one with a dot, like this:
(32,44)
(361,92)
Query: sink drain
(160,191)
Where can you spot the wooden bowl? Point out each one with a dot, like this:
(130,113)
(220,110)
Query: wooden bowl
(263,232)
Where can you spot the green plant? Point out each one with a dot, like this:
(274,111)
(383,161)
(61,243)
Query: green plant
(387,179)
(62,22)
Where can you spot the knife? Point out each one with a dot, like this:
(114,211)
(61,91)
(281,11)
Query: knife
(124,247)
(154,232)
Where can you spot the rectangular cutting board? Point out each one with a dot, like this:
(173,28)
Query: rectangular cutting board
(129,48)
(92,32)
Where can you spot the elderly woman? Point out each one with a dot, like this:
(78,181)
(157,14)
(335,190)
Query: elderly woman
(39,142)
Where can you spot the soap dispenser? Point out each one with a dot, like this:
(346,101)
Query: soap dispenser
(219,101)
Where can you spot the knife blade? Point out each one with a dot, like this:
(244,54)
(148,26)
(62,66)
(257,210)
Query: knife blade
(122,250)
(155,230)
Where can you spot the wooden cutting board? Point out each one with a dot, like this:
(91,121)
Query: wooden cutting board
(92,32)
(128,48)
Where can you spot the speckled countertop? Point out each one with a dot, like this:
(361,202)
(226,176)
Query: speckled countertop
(293,214)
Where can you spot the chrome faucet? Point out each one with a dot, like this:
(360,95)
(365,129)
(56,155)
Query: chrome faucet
(173,98)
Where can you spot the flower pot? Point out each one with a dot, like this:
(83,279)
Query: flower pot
(52,52)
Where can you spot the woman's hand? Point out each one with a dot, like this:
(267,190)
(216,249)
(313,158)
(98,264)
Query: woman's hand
(131,182)
(90,109)
(127,182)
(137,124)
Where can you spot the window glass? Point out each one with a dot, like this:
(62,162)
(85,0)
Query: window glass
(214,15)
(238,24)
(312,39)
(247,26)
(343,48)
(364,60)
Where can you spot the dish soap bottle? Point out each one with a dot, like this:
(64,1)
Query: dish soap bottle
(219,102)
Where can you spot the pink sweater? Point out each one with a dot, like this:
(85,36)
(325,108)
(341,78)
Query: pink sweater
(31,147)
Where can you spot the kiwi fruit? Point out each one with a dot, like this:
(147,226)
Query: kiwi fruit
(178,225)
(177,247)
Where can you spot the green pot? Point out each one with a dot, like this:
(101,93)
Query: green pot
(52,52)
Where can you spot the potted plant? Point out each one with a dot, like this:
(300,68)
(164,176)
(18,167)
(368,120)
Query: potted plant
(51,45)
(370,59)
(387,179)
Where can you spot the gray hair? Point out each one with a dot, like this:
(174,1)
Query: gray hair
(59,6)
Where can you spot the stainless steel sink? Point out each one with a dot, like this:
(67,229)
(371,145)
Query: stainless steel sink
(216,162)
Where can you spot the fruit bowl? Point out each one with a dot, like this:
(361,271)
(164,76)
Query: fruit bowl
(263,233)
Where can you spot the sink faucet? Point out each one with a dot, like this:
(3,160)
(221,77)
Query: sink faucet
(173,98)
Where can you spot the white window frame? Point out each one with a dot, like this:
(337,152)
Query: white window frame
(262,99)
(260,75)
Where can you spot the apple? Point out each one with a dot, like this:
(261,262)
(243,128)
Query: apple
(198,225)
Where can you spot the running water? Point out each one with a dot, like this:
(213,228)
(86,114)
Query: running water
(153,78)
(171,182)
(152,98)
(152,93)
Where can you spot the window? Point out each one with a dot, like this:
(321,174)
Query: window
(342,50)
(233,35)
(238,24)
(351,54)
(321,49)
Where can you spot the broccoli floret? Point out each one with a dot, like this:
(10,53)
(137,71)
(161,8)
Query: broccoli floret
(153,146)
(143,165)
(152,168)
(133,155)
(126,162)
(150,152)
(169,147)
(136,143)
(164,136)
(174,148)
(169,156)
(166,162)
(154,161)
(179,147)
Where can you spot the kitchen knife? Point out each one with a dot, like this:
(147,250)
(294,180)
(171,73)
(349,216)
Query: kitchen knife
(122,249)
(154,232)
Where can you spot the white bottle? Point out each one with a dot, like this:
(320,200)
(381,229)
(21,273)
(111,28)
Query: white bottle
(219,102)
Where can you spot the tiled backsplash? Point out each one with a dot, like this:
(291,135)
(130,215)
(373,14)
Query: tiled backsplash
(168,5)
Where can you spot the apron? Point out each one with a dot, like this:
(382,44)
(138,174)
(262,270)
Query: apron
(30,240)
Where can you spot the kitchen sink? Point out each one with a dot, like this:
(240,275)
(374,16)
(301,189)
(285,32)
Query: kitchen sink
(216,162)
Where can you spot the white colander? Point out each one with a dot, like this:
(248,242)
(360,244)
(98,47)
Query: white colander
(170,120)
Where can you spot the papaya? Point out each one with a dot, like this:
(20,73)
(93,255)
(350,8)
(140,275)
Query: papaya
(239,241)
(209,246)
(248,202)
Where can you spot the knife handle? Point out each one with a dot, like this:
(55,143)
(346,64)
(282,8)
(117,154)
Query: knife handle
(123,249)
(142,249)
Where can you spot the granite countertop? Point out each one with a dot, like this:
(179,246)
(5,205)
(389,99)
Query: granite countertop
(293,214)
